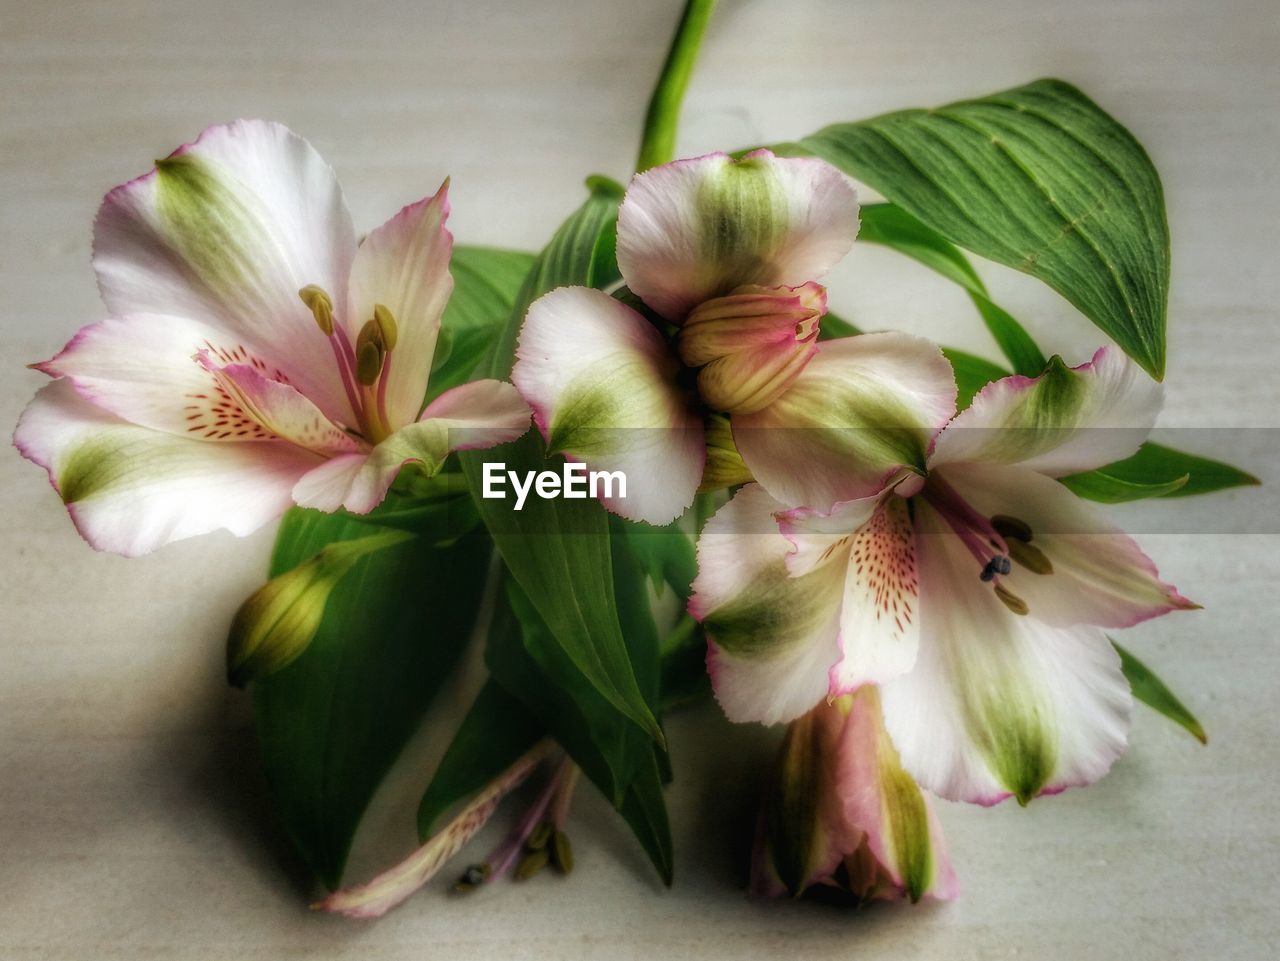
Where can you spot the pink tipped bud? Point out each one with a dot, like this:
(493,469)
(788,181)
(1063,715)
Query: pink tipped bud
(752,343)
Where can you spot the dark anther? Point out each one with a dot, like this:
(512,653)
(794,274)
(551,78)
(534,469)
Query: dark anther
(1007,527)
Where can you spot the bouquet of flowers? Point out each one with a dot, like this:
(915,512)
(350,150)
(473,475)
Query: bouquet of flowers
(647,466)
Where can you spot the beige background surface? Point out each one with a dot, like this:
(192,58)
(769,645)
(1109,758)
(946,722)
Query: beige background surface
(133,822)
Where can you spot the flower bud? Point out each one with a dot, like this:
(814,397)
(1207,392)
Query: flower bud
(724,467)
(844,814)
(281,618)
(752,343)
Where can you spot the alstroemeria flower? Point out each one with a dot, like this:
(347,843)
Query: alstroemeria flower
(843,813)
(975,596)
(255,355)
(724,254)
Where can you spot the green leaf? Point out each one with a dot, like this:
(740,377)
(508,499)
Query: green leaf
(486,282)
(972,374)
(496,731)
(645,810)
(1155,465)
(523,661)
(1038,178)
(664,554)
(331,723)
(684,665)
(1151,691)
(832,327)
(1098,485)
(893,227)
(557,549)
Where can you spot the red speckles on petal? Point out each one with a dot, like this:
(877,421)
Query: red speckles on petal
(883,559)
(215,415)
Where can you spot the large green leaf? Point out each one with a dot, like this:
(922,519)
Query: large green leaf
(1151,691)
(558,550)
(331,723)
(525,663)
(1038,178)
(893,227)
(486,283)
(1155,466)
(1098,485)
(972,374)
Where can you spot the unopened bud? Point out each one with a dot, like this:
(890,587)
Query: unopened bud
(281,618)
(751,344)
(725,467)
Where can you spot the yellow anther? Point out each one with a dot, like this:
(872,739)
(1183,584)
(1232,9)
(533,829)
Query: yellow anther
(1011,527)
(369,362)
(1029,556)
(386,325)
(1011,600)
(532,863)
(320,305)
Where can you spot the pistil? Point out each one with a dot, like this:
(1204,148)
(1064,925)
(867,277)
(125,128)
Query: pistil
(995,542)
(364,367)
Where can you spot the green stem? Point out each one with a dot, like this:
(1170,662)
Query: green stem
(658,145)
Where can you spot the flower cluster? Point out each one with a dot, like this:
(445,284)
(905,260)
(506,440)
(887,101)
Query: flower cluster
(923,561)
(906,585)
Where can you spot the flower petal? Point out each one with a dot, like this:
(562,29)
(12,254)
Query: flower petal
(1067,420)
(998,704)
(480,414)
(131,489)
(695,229)
(1099,576)
(225,231)
(881,799)
(772,637)
(879,617)
(803,834)
(864,410)
(602,384)
(391,887)
(278,408)
(404,265)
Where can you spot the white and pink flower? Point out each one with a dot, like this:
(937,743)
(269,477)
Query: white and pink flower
(724,255)
(975,595)
(842,813)
(255,355)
